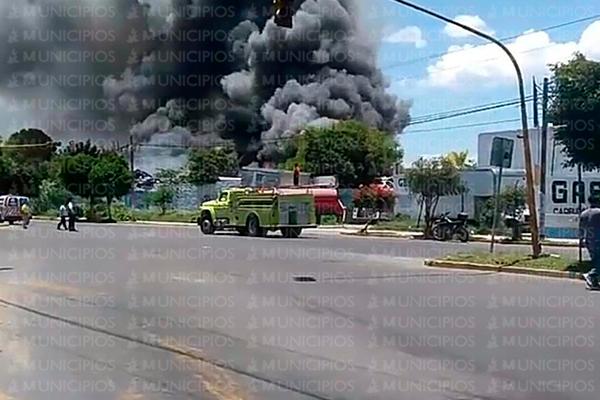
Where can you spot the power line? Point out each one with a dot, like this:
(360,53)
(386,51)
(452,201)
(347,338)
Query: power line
(464,126)
(20,146)
(474,111)
(504,39)
(504,103)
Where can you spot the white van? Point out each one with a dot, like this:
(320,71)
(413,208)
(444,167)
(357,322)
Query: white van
(10,208)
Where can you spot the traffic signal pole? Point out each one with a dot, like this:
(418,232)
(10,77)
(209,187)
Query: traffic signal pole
(531,202)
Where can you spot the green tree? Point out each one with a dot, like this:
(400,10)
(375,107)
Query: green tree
(51,195)
(26,155)
(169,177)
(575,111)
(460,159)
(5,174)
(431,179)
(512,201)
(73,170)
(168,187)
(34,146)
(73,165)
(26,178)
(87,147)
(110,177)
(206,165)
(162,198)
(352,151)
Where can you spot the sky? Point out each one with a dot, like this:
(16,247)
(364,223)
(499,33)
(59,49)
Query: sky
(441,68)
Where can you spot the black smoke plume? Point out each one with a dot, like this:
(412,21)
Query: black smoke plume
(192,72)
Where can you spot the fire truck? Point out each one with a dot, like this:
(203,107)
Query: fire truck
(255,212)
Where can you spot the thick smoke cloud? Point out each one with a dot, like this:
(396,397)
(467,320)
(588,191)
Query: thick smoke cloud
(56,56)
(323,69)
(195,72)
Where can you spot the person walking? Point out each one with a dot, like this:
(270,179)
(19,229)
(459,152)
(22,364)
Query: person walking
(72,215)
(26,215)
(63,213)
(589,229)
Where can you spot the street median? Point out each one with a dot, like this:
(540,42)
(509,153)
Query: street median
(551,266)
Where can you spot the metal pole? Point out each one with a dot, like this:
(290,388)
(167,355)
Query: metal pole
(496,207)
(531,203)
(132,167)
(580,208)
(536,119)
(544,159)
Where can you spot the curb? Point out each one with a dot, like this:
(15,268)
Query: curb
(123,223)
(502,268)
(524,243)
(401,235)
(159,223)
(392,234)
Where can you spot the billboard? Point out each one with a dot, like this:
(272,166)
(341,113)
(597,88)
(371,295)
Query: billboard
(567,193)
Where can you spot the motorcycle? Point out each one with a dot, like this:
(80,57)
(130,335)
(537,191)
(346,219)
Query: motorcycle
(446,228)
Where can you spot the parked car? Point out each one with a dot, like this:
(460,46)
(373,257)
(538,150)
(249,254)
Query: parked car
(10,208)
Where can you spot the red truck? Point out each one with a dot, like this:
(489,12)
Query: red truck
(327,200)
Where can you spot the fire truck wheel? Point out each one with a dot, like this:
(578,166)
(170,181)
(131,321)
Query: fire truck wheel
(206,225)
(253,226)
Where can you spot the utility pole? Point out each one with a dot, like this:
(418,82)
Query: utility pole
(531,201)
(544,158)
(536,118)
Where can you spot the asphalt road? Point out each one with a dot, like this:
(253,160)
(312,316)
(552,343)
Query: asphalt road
(121,312)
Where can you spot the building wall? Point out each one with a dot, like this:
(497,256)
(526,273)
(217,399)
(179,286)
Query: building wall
(563,191)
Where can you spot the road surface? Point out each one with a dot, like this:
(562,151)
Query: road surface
(122,312)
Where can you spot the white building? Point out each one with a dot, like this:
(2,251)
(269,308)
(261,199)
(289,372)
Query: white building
(562,194)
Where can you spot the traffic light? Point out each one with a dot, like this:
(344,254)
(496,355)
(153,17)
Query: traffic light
(283,13)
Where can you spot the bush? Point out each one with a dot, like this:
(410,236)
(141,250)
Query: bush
(374,196)
(402,218)
(121,213)
(97,213)
(52,195)
(170,216)
(512,201)
(163,198)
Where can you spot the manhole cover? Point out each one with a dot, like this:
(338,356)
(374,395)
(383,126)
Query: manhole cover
(304,279)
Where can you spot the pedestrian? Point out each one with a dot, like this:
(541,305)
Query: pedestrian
(589,229)
(297,174)
(63,213)
(26,215)
(72,215)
